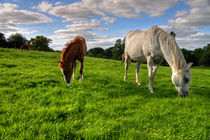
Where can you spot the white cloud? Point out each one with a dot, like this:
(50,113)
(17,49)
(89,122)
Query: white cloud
(10,17)
(104,43)
(187,22)
(86,9)
(187,37)
(85,29)
(108,20)
(82,28)
(58,42)
(197,17)
(101,41)
(179,31)
(74,11)
(43,6)
(58,3)
(181,13)
(131,8)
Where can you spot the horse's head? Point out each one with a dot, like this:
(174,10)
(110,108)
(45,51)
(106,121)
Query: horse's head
(181,79)
(67,71)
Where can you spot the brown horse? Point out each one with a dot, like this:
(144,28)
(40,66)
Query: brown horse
(25,46)
(75,50)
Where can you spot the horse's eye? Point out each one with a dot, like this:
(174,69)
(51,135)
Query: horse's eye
(186,80)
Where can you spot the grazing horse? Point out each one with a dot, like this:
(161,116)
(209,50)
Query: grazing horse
(151,46)
(25,46)
(75,50)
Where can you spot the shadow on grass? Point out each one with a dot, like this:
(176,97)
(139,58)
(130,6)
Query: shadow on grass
(40,83)
(201,91)
(118,89)
(9,65)
(131,89)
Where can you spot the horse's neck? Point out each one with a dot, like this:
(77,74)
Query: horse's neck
(173,56)
(69,56)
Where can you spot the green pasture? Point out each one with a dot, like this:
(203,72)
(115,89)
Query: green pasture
(36,103)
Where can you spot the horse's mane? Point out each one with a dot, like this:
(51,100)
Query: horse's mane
(66,49)
(170,45)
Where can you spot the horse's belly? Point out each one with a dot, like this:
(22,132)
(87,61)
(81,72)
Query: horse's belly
(137,55)
(141,59)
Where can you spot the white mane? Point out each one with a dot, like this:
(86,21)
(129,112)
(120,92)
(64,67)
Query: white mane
(169,47)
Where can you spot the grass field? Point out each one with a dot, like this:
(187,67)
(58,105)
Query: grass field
(35,102)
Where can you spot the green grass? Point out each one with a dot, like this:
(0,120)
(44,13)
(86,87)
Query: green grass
(35,102)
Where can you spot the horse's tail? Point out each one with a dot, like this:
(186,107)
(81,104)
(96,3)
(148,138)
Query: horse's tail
(123,58)
(124,40)
(123,55)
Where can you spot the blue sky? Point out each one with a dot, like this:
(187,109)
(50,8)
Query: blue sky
(102,22)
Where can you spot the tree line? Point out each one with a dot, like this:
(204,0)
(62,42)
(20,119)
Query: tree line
(198,57)
(40,43)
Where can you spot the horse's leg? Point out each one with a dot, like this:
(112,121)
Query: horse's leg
(126,66)
(154,68)
(150,73)
(137,73)
(74,68)
(81,70)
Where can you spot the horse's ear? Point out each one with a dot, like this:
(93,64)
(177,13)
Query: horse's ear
(188,66)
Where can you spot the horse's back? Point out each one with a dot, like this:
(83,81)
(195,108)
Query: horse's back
(134,44)
(80,41)
(140,44)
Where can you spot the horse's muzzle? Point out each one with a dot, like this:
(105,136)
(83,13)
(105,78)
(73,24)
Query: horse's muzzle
(184,94)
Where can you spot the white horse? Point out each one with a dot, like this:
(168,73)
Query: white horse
(151,46)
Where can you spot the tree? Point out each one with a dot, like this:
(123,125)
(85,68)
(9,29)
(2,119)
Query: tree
(3,42)
(16,40)
(40,43)
(118,49)
(109,53)
(197,53)
(96,52)
(205,58)
(188,55)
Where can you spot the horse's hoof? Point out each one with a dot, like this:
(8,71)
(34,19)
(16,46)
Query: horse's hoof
(151,90)
(82,78)
(138,83)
